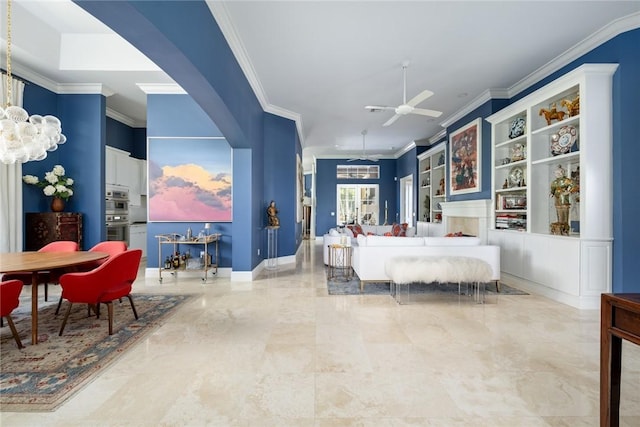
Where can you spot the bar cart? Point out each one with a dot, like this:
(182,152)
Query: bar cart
(204,262)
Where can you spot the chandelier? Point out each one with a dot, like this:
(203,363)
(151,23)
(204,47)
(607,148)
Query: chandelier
(22,137)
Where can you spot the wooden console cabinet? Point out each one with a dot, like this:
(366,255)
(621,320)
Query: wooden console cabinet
(46,227)
(620,320)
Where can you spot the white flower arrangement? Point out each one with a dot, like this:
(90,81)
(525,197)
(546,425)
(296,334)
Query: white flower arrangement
(55,183)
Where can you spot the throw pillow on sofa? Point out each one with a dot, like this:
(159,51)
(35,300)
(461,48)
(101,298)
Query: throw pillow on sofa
(355,229)
(399,230)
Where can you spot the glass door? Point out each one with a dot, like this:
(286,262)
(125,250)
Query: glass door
(358,204)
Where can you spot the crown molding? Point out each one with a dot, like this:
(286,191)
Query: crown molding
(221,16)
(287,114)
(606,33)
(485,96)
(33,77)
(410,146)
(351,156)
(123,119)
(437,137)
(84,88)
(161,88)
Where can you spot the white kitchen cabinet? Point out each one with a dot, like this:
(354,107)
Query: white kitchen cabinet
(142,164)
(131,178)
(123,170)
(117,166)
(138,237)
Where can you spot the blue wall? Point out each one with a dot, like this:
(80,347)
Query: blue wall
(185,41)
(83,123)
(326,182)
(163,121)
(126,138)
(280,148)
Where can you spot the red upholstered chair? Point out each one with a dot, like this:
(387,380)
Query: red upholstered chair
(49,276)
(9,300)
(111,247)
(111,281)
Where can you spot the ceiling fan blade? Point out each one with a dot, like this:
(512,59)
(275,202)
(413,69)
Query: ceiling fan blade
(379,107)
(420,97)
(391,120)
(425,112)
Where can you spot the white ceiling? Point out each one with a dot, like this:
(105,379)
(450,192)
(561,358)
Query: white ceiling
(321,62)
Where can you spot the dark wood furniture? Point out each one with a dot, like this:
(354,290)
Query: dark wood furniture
(620,319)
(46,227)
(42,261)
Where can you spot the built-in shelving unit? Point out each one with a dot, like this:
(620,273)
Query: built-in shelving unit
(431,191)
(556,234)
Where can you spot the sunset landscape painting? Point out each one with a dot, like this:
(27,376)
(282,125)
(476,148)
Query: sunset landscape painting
(189,179)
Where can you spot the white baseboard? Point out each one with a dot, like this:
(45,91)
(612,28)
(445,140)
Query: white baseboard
(236,276)
(579,302)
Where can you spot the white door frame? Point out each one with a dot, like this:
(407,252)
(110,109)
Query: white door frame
(407,210)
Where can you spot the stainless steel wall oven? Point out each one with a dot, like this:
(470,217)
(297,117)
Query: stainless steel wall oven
(117,214)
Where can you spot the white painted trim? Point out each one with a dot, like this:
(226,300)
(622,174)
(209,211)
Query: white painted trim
(161,88)
(220,14)
(596,39)
(246,276)
(85,88)
(485,96)
(405,149)
(476,208)
(351,156)
(583,303)
(27,74)
(601,36)
(438,136)
(122,118)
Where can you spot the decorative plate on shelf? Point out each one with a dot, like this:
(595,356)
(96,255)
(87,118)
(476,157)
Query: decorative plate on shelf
(516,176)
(562,141)
(517,127)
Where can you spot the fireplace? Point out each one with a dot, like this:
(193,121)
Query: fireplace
(471,217)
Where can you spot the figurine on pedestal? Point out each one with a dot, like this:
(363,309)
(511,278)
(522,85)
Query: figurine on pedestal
(272,213)
(561,189)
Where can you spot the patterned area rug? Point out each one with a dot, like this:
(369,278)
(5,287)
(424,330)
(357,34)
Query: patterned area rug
(352,287)
(42,377)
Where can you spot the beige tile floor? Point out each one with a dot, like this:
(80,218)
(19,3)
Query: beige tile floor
(279,351)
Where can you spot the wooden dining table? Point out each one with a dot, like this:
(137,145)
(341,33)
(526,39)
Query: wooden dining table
(36,262)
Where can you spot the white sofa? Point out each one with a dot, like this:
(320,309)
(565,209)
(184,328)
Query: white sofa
(371,253)
(336,237)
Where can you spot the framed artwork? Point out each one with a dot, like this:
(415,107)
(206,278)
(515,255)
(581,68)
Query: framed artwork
(465,153)
(190,179)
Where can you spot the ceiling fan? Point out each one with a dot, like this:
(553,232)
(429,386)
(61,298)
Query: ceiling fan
(407,107)
(372,158)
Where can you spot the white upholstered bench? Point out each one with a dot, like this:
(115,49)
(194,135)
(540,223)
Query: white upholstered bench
(438,269)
